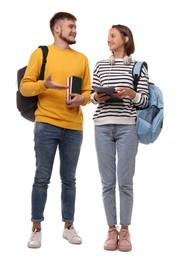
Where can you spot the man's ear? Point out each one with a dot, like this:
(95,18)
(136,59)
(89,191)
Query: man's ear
(57,28)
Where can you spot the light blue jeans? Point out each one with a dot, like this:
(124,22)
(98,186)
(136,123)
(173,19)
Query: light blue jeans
(47,139)
(116,147)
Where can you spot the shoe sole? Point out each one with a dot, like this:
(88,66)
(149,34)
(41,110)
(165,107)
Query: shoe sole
(77,243)
(124,249)
(35,247)
(113,248)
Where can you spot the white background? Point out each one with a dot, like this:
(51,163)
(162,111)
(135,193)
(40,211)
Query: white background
(24,26)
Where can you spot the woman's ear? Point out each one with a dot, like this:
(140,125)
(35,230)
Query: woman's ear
(126,39)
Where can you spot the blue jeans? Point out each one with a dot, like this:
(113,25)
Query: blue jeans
(116,147)
(47,138)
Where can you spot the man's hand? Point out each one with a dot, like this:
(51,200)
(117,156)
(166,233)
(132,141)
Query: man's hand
(76,101)
(48,83)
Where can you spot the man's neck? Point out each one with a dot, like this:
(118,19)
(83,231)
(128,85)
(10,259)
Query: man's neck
(62,45)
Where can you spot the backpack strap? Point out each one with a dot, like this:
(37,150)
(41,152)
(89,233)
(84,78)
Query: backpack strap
(137,72)
(45,52)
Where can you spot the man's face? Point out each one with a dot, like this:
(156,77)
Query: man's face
(67,31)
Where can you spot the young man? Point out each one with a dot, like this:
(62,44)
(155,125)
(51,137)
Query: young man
(58,122)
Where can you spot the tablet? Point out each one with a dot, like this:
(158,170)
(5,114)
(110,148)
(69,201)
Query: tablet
(107,90)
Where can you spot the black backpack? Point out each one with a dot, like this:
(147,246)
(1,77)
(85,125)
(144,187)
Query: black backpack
(28,105)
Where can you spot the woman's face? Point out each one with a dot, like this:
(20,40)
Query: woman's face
(116,40)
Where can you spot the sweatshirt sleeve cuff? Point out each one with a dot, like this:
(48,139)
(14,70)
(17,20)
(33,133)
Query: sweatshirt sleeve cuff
(137,98)
(92,99)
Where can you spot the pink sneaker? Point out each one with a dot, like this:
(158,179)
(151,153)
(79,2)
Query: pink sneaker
(111,242)
(124,241)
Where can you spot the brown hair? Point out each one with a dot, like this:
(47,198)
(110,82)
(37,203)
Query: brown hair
(125,31)
(61,16)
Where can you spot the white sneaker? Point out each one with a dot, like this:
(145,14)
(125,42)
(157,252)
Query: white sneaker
(35,239)
(72,236)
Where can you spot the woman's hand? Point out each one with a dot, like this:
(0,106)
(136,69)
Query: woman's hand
(124,93)
(101,97)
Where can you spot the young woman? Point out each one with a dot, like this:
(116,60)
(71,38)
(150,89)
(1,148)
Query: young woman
(115,132)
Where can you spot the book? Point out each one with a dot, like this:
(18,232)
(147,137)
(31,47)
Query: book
(75,86)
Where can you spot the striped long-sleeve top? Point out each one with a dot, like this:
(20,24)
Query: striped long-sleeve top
(118,75)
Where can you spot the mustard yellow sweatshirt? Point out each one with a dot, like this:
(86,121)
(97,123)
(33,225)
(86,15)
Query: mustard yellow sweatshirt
(52,107)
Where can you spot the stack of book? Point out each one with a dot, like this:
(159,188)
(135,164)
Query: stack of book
(75,86)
